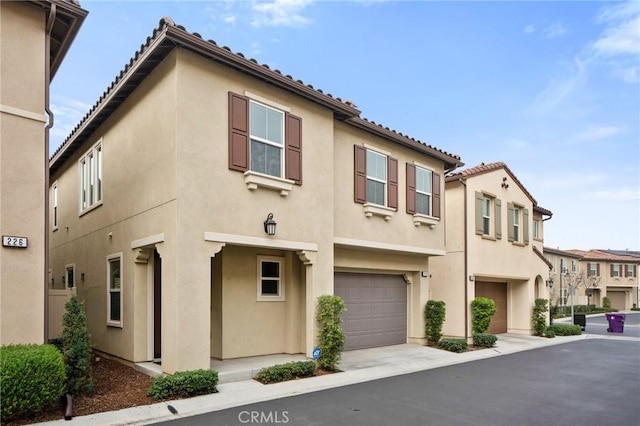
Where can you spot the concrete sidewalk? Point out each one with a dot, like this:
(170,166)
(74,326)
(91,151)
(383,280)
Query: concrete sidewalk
(357,366)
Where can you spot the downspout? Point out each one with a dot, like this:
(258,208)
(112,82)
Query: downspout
(47,80)
(466,264)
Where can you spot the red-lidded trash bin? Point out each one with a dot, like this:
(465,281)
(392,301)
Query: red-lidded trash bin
(616,323)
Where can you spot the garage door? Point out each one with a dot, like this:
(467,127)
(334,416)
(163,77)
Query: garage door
(617,299)
(497,292)
(376,309)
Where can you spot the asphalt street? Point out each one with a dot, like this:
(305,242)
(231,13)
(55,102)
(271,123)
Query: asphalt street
(598,325)
(595,381)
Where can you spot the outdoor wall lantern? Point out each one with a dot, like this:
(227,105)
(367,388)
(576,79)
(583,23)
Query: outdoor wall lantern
(549,282)
(270,225)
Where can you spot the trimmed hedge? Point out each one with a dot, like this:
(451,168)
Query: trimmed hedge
(184,384)
(482,310)
(538,317)
(32,378)
(288,371)
(564,330)
(434,316)
(453,345)
(331,337)
(484,340)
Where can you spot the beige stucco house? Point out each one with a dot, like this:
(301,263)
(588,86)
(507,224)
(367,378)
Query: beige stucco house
(168,189)
(608,273)
(565,273)
(494,236)
(34,38)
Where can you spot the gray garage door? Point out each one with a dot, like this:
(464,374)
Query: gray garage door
(617,299)
(377,309)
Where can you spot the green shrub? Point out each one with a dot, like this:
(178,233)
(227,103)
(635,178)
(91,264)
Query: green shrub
(434,314)
(76,348)
(564,330)
(32,377)
(184,384)
(57,342)
(538,317)
(484,340)
(453,345)
(606,302)
(288,371)
(549,333)
(482,310)
(331,338)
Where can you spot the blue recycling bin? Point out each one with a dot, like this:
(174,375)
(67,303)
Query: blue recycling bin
(616,323)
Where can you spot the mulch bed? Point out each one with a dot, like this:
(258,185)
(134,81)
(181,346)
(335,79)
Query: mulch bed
(116,386)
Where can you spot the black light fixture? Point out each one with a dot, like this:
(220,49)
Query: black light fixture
(270,225)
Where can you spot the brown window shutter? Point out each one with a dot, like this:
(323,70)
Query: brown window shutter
(498,213)
(611,270)
(510,212)
(360,179)
(597,269)
(293,154)
(479,226)
(392,183)
(411,189)
(626,273)
(635,270)
(238,132)
(435,188)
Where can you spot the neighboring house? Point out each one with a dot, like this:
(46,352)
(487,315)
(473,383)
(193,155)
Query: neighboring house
(565,272)
(612,274)
(206,201)
(34,38)
(494,234)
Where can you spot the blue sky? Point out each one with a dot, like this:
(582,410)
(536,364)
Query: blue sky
(550,88)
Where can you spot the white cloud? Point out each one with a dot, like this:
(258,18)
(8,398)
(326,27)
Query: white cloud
(621,38)
(598,132)
(529,29)
(275,13)
(621,194)
(67,114)
(554,30)
(229,19)
(629,75)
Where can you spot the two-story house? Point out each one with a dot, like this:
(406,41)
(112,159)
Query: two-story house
(206,201)
(34,39)
(565,273)
(609,273)
(494,237)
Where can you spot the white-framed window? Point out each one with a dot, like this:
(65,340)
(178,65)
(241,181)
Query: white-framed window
(573,266)
(536,229)
(70,275)
(563,266)
(91,178)
(593,269)
(517,213)
(629,271)
(114,290)
(424,179)
(376,178)
(267,139)
(616,270)
(270,279)
(54,206)
(486,215)
(564,296)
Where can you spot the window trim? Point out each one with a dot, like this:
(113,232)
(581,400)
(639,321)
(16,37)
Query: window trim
(110,322)
(96,152)
(282,146)
(429,194)
(72,267)
(629,270)
(281,281)
(55,211)
(536,231)
(616,270)
(369,177)
(487,202)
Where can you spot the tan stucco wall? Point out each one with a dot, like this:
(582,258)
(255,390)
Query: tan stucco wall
(494,260)
(22,172)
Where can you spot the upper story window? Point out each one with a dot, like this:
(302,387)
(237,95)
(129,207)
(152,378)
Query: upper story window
(54,205)
(488,215)
(518,224)
(593,270)
(91,178)
(376,181)
(265,142)
(630,271)
(563,267)
(270,279)
(616,270)
(536,230)
(267,139)
(423,195)
(573,266)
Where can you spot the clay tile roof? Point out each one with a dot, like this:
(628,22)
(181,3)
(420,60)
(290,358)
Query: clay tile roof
(169,35)
(486,168)
(607,256)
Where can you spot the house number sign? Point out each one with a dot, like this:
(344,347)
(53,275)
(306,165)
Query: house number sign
(10,241)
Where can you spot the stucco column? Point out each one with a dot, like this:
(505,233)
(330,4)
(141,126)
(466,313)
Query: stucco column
(140,300)
(312,292)
(418,293)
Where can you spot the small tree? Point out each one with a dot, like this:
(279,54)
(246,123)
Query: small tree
(538,319)
(434,314)
(76,348)
(482,310)
(606,303)
(331,337)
